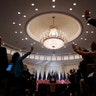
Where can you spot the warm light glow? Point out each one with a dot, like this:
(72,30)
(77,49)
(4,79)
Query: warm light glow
(53,32)
(53,43)
(53,39)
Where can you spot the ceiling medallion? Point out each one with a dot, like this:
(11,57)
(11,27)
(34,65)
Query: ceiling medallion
(54,38)
(54,35)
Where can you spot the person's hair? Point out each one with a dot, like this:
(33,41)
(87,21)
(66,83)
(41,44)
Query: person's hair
(0,38)
(14,57)
(93,46)
(71,71)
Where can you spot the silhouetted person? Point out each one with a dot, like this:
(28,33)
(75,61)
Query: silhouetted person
(71,89)
(17,71)
(81,76)
(83,64)
(92,54)
(3,63)
(72,80)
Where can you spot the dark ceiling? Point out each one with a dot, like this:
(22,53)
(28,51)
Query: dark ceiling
(14,35)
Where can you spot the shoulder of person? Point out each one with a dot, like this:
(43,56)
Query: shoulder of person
(2,47)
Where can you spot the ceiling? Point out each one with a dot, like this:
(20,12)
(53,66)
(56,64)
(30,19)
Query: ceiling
(15,15)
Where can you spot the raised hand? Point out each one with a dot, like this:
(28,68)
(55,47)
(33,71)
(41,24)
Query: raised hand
(74,46)
(87,14)
(31,48)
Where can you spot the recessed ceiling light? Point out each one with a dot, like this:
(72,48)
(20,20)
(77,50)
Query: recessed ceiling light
(19,24)
(70,9)
(74,4)
(19,12)
(32,4)
(53,6)
(81,38)
(22,39)
(26,38)
(24,16)
(85,39)
(36,9)
(20,31)
(88,24)
(53,0)
(89,12)
(15,31)
(83,15)
(92,31)
(13,22)
(86,31)
(3,43)
(73,43)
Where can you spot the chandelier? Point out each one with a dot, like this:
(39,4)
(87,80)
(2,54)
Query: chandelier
(54,38)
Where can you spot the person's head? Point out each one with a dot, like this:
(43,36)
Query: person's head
(0,40)
(15,56)
(71,71)
(93,46)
